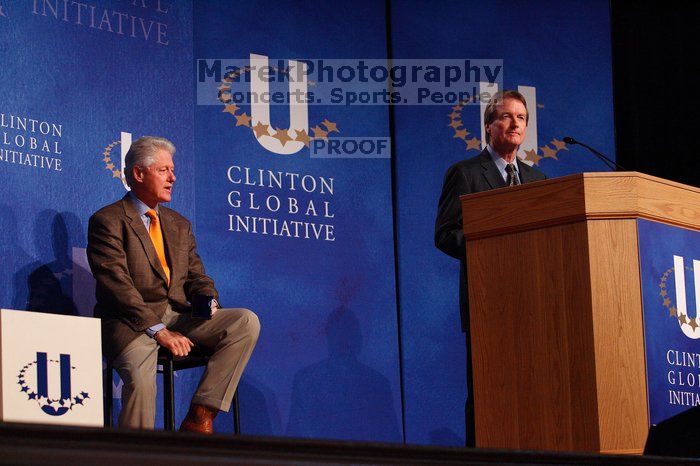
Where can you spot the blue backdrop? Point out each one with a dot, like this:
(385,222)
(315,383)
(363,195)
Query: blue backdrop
(562,49)
(89,79)
(339,356)
(327,362)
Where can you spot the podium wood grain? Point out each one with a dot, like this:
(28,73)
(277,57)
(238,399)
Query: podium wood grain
(556,312)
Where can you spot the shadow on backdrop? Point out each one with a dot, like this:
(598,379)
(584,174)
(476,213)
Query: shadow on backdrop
(14,291)
(340,397)
(50,278)
(260,414)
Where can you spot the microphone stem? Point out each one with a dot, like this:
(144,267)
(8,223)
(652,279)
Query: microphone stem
(612,165)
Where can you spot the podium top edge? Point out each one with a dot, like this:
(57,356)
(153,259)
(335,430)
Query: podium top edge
(44,314)
(581,177)
(580,197)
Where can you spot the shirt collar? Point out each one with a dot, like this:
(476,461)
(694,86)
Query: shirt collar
(141,207)
(500,161)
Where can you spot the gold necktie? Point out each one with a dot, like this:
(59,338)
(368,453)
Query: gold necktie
(156,235)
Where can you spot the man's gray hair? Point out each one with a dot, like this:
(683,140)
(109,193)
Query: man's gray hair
(142,153)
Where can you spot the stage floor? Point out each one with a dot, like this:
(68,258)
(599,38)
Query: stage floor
(44,445)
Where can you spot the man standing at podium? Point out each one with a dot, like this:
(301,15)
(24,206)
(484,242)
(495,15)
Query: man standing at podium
(152,291)
(505,123)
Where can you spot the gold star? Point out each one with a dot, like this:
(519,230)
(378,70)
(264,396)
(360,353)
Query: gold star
(225,98)
(109,166)
(457,107)
(106,152)
(330,126)
(663,293)
(667,302)
(532,155)
(461,134)
(473,143)
(319,133)
(242,120)
(231,108)
(549,152)
(560,145)
(106,159)
(672,311)
(693,323)
(453,115)
(682,319)
(260,130)
(224,87)
(282,136)
(116,174)
(302,137)
(455,124)
(233,75)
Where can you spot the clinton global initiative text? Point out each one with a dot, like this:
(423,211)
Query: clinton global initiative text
(285,228)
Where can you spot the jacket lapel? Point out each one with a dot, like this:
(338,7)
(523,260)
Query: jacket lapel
(525,172)
(139,230)
(490,171)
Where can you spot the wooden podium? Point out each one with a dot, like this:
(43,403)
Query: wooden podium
(555,305)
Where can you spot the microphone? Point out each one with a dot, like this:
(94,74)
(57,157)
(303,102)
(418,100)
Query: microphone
(610,163)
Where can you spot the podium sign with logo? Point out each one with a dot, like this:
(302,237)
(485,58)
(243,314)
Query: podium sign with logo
(670,269)
(50,369)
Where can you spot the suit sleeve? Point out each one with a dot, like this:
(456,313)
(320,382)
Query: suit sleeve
(197,282)
(107,258)
(449,236)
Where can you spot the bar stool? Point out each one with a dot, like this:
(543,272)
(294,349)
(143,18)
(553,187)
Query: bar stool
(168,365)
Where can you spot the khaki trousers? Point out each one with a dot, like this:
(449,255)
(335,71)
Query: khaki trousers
(231,334)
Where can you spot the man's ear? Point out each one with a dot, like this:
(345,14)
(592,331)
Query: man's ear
(137,173)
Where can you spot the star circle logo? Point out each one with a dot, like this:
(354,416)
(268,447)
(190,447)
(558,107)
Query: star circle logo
(36,388)
(322,130)
(688,324)
(107,159)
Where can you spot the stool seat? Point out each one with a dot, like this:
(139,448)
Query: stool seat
(198,357)
(168,365)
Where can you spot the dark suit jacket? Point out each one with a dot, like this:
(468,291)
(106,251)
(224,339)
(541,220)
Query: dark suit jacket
(465,177)
(132,292)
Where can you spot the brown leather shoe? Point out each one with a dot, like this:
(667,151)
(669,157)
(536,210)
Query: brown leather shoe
(199,419)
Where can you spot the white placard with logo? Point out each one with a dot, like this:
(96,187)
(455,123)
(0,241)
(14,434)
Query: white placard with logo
(50,369)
